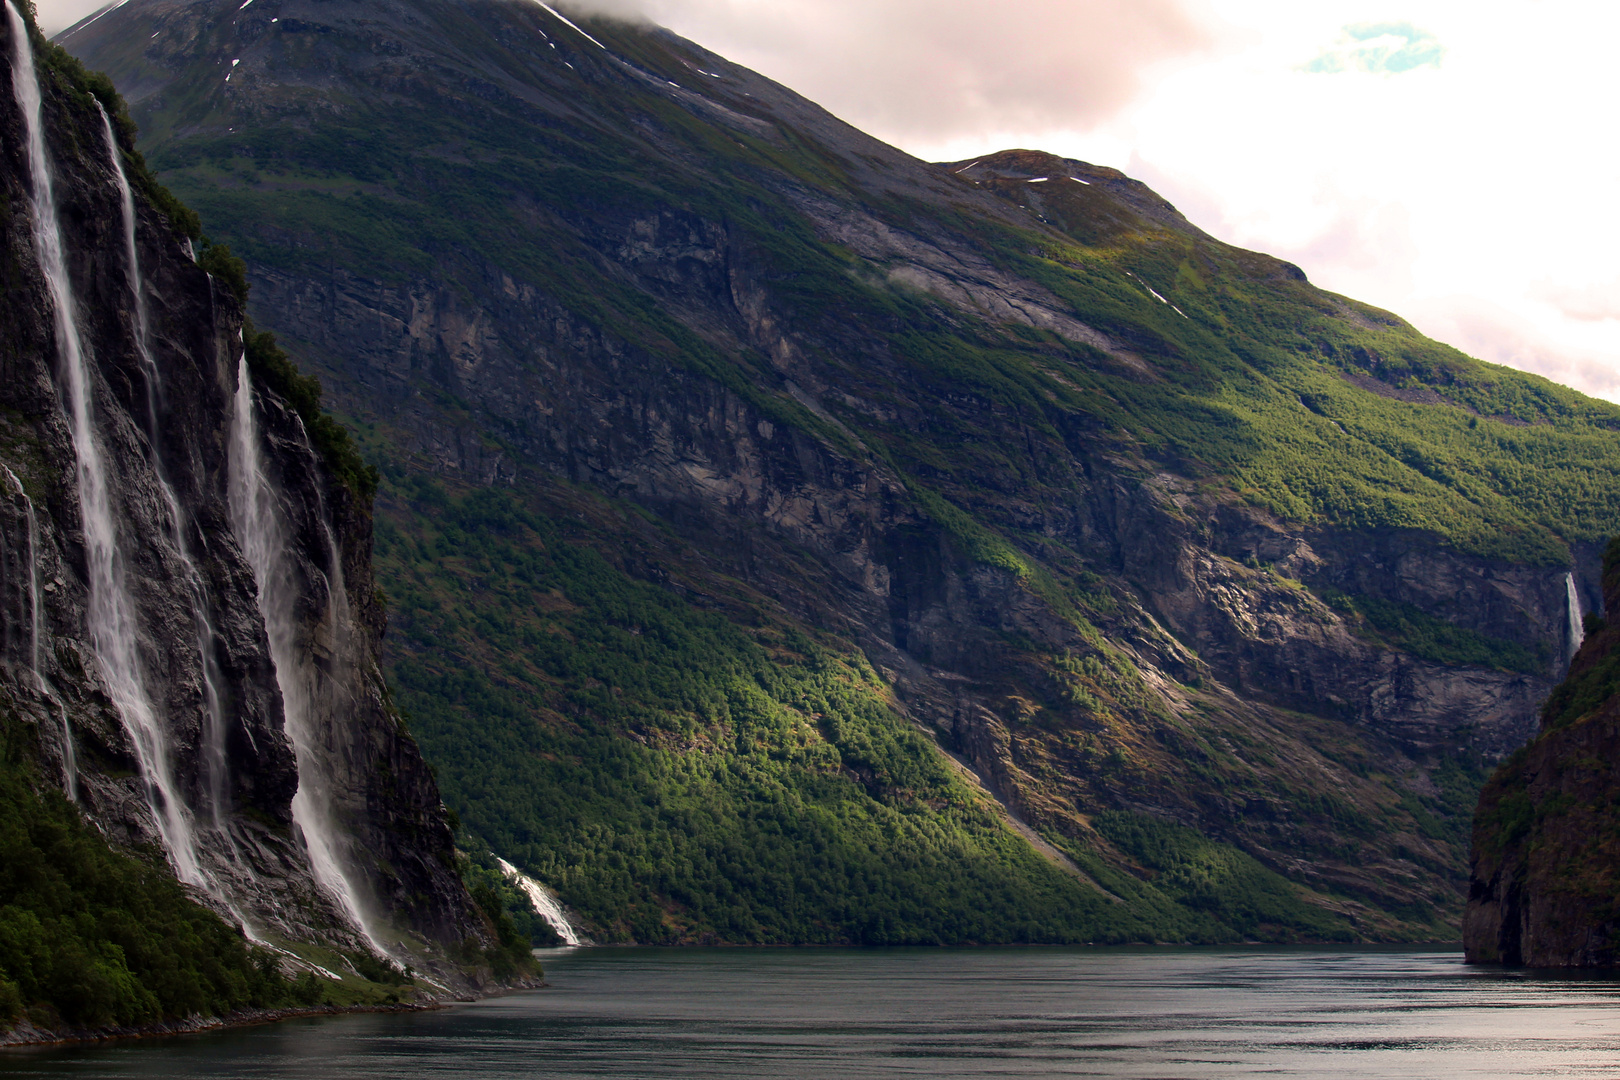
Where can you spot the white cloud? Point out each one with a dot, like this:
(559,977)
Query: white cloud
(58,15)
(925,70)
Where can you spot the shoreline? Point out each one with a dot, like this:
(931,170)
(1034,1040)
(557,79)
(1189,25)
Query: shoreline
(26,1036)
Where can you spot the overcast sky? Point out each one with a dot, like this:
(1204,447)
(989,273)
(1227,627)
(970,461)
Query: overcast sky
(1450,161)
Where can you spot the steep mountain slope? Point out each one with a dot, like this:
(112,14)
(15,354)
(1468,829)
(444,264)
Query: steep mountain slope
(188,629)
(1545,888)
(1207,575)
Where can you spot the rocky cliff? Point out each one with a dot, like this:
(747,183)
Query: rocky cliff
(189,624)
(1545,884)
(1129,521)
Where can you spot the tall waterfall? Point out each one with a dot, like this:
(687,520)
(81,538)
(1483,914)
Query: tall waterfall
(264,532)
(216,760)
(1577,632)
(114,629)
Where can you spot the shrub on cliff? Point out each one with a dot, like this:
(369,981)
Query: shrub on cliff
(90,937)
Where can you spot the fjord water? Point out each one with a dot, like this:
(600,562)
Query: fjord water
(1040,1012)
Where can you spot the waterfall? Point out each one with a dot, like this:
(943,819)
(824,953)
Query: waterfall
(264,534)
(546,905)
(1577,632)
(70,763)
(216,760)
(114,629)
(17,490)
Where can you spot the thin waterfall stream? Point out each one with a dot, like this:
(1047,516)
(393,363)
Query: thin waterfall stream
(215,758)
(1577,630)
(70,764)
(114,628)
(263,532)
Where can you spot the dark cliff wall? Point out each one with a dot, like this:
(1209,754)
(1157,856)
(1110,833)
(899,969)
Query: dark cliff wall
(1545,882)
(161,408)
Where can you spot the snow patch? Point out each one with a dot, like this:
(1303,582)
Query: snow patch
(564,20)
(1077,180)
(1038,180)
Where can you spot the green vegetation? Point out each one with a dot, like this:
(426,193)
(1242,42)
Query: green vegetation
(1284,395)
(90,937)
(1421,634)
(1218,879)
(674,776)
(269,363)
(684,765)
(519,925)
(681,775)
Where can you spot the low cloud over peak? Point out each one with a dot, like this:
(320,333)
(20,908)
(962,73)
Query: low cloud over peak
(925,71)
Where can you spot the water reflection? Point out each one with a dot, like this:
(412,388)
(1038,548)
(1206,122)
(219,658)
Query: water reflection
(1195,1013)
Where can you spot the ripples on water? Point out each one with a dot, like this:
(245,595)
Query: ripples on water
(1166,1012)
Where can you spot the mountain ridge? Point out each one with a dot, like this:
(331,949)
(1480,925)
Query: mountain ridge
(1133,522)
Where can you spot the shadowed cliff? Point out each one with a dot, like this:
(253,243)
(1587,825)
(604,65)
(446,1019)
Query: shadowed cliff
(145,685)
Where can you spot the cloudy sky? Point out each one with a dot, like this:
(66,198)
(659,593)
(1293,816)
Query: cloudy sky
(1446,160)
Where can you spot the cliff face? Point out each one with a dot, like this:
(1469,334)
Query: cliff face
(1128,519)
(1544,889)
(136,659)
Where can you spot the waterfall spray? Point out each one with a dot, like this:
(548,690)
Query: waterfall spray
(263,532)
(1577,631)
(113,627)
(216,760)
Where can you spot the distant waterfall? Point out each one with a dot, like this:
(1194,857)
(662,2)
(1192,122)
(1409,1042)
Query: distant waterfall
(16,488)
(216,761)
(263,532)
(1577,632)
(545,904)
(70,764)
(114,629)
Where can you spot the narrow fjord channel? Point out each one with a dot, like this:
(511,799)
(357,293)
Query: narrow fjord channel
(1038,1012)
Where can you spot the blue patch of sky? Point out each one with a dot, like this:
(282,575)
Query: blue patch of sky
(1384,47)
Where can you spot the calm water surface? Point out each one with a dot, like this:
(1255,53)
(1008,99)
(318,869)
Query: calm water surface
(1195,1013)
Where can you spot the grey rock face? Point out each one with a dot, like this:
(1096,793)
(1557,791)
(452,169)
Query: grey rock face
(253,862)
